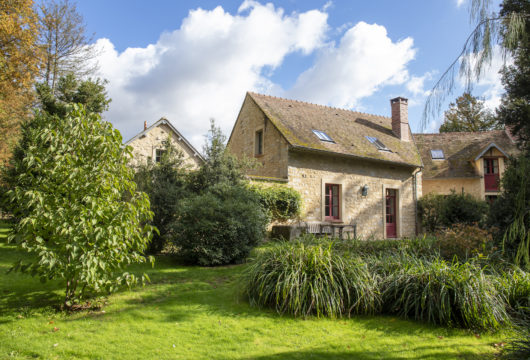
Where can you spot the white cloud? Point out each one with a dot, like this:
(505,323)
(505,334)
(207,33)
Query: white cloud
(490,84)
(203,69)
(364,60)
(460,3)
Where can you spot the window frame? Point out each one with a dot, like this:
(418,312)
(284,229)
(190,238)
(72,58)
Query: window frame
(433,157)
(158,155)
(377,143)
(323,136)
(258,142)
(331,205)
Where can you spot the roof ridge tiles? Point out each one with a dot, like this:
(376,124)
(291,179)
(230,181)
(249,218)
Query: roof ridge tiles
(319,105)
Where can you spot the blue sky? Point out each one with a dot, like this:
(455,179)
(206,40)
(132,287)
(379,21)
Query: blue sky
(194,60)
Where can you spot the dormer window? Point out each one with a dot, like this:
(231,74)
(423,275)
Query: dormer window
(437,154)
(377,143)
(323,136)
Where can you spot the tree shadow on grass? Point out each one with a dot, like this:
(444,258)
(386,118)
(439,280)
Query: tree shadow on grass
(436,352)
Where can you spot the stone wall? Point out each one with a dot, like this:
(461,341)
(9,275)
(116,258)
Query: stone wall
(309,172)
(273,161)
(445,186)
(144,147)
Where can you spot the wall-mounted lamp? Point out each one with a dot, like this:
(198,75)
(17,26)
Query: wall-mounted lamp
(364,190)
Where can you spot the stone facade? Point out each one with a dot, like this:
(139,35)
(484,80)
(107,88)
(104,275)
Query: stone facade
(474,186)
(308,173)
(272,164)
(145,144)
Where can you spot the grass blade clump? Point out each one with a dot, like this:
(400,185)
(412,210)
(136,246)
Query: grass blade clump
(302,280)
(515,285)
(450,294)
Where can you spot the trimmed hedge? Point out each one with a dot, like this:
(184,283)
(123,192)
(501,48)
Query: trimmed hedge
(281,202)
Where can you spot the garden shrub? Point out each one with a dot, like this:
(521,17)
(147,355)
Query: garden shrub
(219,226)
(440,211)
(302,280)
(165,184)
(281,202)
(69,200)
(443,293)
(464,242)
(220,220)
(510,213)
(431,208)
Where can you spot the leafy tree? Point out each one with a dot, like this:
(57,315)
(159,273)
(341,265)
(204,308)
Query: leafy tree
(165,184)
(506,29)
(514,110)
(468,113)
(74,217)
(67,48)
(19,61)
(510,213)
(220,166)
(221,219)
(70,90)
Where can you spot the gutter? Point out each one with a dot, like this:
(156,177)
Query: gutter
(351,156)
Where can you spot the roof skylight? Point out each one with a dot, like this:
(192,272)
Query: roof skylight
(378,144)
(323,136)
(437,154)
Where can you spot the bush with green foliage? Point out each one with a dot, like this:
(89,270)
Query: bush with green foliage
(220,220)
(219,226)
(70,201)
(282,203)
(510,213)
(302,280)
(439,211)
(463,242)
(165,183)
(443,293)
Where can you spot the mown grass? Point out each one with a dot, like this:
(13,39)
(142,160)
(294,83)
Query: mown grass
(197,313)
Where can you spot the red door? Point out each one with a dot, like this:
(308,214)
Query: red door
(390,213)
(491,174)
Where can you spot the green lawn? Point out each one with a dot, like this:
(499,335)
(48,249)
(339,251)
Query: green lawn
(196,313)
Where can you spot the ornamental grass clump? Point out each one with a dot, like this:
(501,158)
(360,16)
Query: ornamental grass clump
(444,293)
(302,280)
(515,285)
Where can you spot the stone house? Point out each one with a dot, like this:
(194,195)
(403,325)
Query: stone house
(467,162)
(349,167)
(148,144)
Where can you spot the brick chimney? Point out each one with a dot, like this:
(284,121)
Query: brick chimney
(400,118)
(145,125)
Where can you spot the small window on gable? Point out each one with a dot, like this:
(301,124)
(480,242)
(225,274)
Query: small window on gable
(437,154)
(323,136)
(158,155)
(258,143)
(377,143)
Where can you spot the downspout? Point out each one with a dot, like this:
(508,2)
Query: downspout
(415,197)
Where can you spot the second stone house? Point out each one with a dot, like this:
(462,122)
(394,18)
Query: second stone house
(349,167)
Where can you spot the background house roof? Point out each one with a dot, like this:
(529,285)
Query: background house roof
(460,151)
(164,121)
(296,120)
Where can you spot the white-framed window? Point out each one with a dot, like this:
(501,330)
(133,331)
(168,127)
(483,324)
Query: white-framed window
(377,143)
(323,136)
(437,154)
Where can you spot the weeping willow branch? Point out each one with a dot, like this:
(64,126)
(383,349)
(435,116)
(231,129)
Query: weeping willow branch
(506,31)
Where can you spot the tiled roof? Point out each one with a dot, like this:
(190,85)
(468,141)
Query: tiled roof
(296,121)
(460,150)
